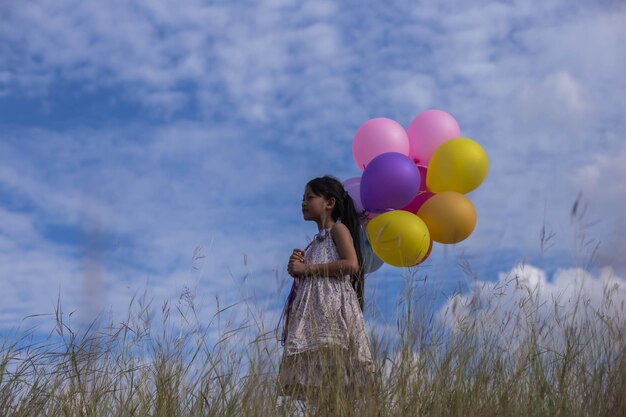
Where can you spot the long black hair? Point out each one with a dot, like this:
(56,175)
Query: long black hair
(327,187)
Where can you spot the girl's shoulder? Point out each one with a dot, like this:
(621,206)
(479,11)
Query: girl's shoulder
(339,228)
(339,233)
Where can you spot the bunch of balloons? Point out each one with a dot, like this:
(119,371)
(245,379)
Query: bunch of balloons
(412,189)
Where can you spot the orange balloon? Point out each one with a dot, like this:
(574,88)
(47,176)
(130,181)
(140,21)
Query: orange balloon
(449,216)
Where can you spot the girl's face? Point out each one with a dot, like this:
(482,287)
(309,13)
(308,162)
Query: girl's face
(315,206)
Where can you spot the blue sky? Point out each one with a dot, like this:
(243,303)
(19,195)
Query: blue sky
(168,145)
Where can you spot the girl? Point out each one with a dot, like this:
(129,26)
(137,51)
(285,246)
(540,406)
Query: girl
(324,333)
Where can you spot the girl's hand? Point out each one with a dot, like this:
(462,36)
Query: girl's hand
(298,254)
(296,268)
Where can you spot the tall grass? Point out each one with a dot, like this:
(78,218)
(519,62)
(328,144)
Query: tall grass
(488,354)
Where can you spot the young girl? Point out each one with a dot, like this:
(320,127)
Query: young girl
(324,334)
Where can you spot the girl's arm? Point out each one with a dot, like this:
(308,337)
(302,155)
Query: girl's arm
(347,265)
(332,269)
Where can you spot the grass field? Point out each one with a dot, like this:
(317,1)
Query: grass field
(495,352)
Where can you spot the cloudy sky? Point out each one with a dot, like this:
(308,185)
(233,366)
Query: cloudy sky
(167,145)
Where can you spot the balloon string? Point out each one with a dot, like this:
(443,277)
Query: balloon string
(287,310)
(288,303)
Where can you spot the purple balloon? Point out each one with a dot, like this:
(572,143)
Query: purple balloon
(390,181)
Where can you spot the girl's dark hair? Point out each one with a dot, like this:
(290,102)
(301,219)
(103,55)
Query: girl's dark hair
(327,187)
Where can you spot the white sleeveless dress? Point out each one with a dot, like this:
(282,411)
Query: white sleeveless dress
(325,313)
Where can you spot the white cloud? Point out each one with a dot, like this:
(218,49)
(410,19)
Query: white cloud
(524,301)
(602,180)
(558,98)
(152,50)
(150,204)
(17,227)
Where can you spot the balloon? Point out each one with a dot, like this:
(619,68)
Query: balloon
(422,195)
(367,217)
(418,201)
(450,217)
(378,136)
(390,181)
(423,172)
(399,238)
(427,131)
(458,165)
(353,187)
(371,262)
(430,249)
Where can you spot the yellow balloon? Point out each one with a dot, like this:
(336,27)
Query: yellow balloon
(457,165)
(399,238)
(450,217)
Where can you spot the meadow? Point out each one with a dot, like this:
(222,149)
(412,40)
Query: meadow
(498,352)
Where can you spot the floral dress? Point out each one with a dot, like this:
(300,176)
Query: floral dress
(325,324)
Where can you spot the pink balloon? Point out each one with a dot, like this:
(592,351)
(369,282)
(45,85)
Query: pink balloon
(378,136)
(418,201)
(427,131)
